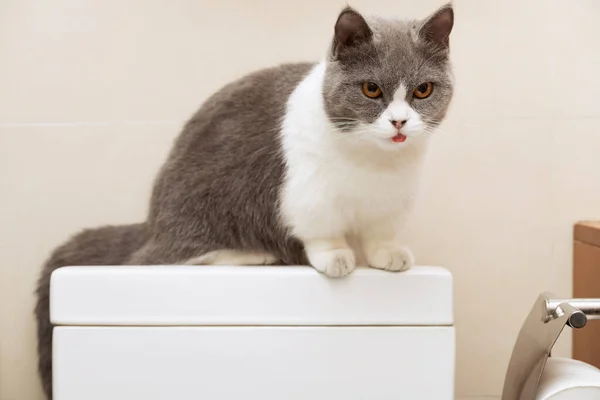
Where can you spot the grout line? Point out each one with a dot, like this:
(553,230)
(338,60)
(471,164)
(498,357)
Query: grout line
(478,397)
(181,123)
(480,118)
(86,123)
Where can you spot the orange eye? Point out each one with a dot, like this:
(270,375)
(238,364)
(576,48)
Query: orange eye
(423,90)
(371,90)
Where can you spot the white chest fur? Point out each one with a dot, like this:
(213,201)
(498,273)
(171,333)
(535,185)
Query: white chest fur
(337,185)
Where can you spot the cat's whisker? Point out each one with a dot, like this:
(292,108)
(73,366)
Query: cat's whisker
(359,133)
(430,132)
(344,119)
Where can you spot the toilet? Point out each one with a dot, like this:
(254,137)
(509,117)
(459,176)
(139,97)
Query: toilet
(264,333)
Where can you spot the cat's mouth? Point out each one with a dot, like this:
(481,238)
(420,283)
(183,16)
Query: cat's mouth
(399,138)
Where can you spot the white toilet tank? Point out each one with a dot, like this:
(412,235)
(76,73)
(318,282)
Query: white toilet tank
(264,333)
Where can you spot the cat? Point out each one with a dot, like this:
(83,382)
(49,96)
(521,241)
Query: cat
(292,164)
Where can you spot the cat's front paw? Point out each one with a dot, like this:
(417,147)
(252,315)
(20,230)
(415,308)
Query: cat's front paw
(391,258)
(333,263)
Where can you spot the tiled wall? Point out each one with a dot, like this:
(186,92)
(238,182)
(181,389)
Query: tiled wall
(93,92)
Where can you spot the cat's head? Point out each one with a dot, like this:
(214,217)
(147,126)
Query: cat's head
(389,81)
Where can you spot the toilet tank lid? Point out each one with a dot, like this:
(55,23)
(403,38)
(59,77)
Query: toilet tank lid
(230,296)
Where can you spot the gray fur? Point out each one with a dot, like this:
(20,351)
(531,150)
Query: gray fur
(219,188)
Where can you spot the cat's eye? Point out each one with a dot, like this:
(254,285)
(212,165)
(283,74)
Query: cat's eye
(423,90)
(371,90)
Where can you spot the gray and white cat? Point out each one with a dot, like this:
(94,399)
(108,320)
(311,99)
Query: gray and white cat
(292,164)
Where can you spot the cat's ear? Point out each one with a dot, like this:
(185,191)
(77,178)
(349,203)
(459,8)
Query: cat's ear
(351,30)
(437,27)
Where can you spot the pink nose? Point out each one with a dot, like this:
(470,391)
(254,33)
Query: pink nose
(398,124)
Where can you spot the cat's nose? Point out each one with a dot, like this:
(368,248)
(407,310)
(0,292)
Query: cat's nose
(398,124)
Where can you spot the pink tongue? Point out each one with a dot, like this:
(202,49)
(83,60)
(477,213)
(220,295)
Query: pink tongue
(399,138)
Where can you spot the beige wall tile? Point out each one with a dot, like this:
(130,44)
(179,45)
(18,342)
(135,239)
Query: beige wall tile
(576,62)
(502,57)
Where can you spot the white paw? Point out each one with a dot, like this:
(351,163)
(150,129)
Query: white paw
(333,263)
(391,259)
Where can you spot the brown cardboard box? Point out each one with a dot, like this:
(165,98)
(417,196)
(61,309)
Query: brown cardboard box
(586,284)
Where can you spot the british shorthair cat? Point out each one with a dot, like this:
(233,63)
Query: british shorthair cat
(292,164)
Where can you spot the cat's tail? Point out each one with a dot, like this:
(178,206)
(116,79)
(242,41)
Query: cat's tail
(109,245)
